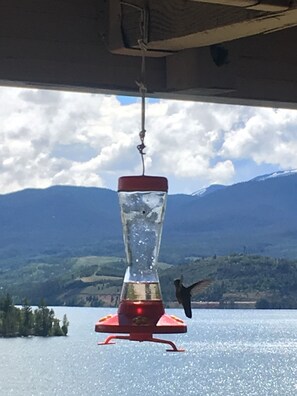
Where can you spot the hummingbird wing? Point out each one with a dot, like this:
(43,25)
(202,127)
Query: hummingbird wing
(198,287)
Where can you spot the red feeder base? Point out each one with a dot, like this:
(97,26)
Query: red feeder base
(141,320)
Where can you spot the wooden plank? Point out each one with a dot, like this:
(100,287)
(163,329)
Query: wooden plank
(264,5)
(173,22)
(62,67)
(224,32)
(50,20)
(58,44)
(233,3)
(254,75)
(81,8)
(115,39)
(272,5)
(177,18)
(175,25)
(261,69)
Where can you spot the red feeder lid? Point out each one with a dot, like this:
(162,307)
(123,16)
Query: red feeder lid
(143,183)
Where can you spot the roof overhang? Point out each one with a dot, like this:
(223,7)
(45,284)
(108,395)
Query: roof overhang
(226,51)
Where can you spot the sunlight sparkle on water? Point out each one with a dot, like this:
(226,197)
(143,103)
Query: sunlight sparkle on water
(228,353)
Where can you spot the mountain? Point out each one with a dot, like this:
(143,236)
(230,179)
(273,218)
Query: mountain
(58,219)
(257,217)
(275,174)
(208,190)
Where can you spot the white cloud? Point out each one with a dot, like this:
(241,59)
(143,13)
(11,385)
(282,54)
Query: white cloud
(49,138)
(268,136)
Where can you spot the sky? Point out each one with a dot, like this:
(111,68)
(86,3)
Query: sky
(62,138)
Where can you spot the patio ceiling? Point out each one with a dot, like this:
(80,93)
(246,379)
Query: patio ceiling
(226,51)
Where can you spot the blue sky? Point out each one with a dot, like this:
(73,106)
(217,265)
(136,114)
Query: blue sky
(50,138)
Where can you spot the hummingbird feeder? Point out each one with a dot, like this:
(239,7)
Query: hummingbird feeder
(141,311)
(142,200)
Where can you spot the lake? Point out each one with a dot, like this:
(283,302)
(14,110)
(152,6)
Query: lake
(228,352)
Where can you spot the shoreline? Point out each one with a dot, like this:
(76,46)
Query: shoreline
(216,305)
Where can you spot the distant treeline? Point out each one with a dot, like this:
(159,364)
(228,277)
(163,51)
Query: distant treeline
(271,283)
(24,322)
(263,282)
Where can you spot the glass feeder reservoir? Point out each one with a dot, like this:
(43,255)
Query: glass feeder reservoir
(141,311)
(142,201)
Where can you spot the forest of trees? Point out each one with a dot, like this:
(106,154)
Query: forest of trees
(270,282)
(24,322)
(266,282)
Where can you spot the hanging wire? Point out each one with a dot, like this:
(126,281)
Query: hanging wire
(142,91)
(142,43)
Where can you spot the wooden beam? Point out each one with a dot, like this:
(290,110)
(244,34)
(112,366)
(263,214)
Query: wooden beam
(176,25)
(272,5)
(114,33)
(58,44)
(254,76)
(233,3)
(207,26)
(264,5)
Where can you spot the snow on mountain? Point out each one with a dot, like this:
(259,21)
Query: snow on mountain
(208,190)
(200,192)
(275,174)
(215,187)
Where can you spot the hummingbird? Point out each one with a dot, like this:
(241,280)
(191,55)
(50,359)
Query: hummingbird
(184,294)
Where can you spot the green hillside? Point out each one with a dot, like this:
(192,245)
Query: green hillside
(97,280)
